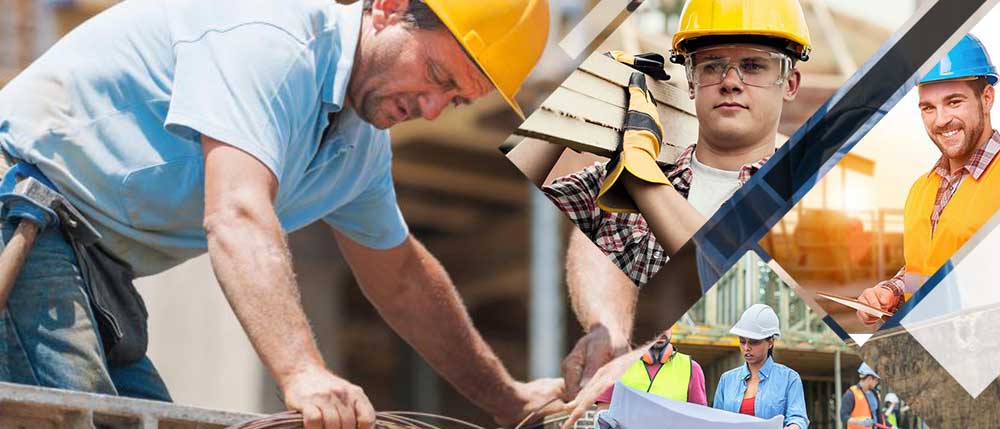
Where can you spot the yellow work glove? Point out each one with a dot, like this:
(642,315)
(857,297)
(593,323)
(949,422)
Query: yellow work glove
(639,149)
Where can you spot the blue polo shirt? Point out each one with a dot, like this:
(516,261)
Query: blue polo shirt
(778,393)
(114,114)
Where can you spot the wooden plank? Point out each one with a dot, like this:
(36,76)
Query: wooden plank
(573,133)
(619,74)
(680,129)
(595,125)
(587,111)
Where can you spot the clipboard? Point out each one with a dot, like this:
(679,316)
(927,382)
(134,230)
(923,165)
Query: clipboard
(855,304)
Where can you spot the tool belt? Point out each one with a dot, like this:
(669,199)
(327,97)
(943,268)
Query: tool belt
(117,307)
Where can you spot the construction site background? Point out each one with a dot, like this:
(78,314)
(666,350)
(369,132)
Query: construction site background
(487,225)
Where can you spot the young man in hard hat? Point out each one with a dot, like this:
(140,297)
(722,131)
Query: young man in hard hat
(859,406)
(949,203)
(741,70)
(189,126)
(666,372)
(761,387)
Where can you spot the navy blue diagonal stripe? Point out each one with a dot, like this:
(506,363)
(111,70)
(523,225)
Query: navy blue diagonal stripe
(832,131)
(812,151)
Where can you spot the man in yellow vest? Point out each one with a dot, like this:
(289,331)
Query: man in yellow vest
(950,203)
(891,410)
(859,406)
(666,372)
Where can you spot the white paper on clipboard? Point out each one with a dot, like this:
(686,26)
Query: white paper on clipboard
(632,409)
(855,304)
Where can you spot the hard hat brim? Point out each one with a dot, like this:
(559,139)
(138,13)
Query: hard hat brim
(740,332)
(990,79)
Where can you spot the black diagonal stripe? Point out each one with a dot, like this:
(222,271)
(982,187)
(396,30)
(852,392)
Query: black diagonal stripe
(636,120)
(842,121)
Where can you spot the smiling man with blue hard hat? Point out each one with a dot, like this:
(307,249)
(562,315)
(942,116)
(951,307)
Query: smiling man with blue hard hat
(187,126)
(948,204)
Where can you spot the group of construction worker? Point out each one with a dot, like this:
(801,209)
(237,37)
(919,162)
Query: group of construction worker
(760,387)
(740,62)
(185,127)
(860,407)
(739,59)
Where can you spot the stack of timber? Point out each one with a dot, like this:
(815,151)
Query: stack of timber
(587,111)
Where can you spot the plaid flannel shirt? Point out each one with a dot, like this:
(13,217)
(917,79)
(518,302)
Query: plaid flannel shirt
(624,237)
(975,167)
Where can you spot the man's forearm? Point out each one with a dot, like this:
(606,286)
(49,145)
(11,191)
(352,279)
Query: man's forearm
(600,293)
(425,309)
(672,218)
(535,159)
(253,265)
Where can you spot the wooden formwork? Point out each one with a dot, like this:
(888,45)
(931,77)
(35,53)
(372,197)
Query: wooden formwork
(31,407)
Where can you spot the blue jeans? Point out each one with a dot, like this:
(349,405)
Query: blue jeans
(48,334)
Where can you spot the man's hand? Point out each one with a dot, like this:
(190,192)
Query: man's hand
(879,297)
(591,352)
(327,401)
(539,398)
(604,378)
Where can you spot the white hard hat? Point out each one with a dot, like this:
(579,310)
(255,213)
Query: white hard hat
(757,323)
(892,398)
(864,370)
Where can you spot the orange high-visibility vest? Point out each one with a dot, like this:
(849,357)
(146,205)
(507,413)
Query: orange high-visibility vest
(861,409)
(969,208)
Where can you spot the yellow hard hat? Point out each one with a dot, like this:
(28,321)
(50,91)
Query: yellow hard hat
(773,19)
(505,38)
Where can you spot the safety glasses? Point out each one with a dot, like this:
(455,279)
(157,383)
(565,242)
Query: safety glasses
(755,67)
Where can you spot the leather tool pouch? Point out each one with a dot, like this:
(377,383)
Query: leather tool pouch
(120,312)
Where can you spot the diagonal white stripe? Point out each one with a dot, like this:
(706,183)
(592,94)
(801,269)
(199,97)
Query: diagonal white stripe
(597,20)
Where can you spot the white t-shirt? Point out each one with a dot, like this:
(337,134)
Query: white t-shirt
(710,187)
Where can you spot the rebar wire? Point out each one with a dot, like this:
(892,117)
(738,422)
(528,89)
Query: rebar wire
(533,412)
(383,420)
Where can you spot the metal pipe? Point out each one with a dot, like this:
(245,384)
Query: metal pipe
(546,323)
(838,387)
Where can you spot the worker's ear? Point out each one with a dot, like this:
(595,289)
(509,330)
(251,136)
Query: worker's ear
(386,13)
(792,84)
(988,95)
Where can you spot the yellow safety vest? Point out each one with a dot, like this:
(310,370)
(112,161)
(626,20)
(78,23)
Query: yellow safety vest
(670,381)
(861,410)
(891,419)
(969,208)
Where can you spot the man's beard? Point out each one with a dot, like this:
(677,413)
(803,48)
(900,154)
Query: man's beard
(972,135)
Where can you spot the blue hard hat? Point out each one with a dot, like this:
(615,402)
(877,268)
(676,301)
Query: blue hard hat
(864,370)
(967,59)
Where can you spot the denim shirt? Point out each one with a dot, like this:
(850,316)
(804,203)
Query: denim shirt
(778,393)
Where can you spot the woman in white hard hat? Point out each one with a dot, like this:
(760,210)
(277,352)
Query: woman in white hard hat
(761,387)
